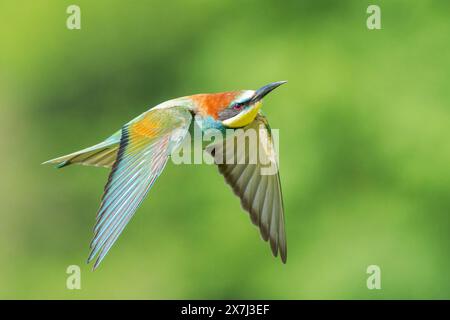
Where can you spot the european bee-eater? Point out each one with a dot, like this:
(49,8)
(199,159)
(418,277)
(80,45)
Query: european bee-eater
(138,152)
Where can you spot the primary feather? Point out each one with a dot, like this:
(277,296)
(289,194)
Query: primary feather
(260,193)
(145,146)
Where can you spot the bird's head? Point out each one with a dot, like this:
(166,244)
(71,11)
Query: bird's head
(234,109)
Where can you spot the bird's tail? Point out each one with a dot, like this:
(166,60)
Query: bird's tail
(101,155)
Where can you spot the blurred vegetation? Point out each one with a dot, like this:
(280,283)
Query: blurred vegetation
(364,147)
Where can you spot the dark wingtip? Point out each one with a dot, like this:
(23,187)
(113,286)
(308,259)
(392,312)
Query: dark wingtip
(90,257)
(96,264)
(283,255)
(274,247)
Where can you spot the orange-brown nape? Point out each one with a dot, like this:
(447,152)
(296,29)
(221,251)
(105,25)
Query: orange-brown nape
(212,104)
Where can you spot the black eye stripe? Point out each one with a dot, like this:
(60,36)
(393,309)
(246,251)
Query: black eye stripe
(230,112)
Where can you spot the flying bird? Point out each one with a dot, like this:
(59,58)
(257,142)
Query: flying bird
(139,151)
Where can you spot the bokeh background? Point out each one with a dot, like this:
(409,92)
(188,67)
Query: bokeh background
(364,147)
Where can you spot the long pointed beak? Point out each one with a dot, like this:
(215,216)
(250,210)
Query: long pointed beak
(263,91)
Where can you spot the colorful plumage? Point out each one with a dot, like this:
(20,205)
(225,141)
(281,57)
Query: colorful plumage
(139,151)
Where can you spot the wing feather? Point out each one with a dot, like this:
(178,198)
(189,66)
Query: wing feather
(144,149)
(260,194)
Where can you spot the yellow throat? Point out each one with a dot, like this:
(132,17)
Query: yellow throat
(244,118)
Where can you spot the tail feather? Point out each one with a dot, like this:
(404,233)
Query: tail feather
(101,155)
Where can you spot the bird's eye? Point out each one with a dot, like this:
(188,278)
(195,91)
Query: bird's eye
(238,106)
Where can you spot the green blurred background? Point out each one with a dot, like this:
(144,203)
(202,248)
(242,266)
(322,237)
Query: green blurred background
(364,147)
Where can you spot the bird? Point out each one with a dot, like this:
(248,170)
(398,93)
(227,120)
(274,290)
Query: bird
(139,151)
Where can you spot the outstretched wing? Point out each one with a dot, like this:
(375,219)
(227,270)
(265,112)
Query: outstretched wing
(255,181)
(145,146)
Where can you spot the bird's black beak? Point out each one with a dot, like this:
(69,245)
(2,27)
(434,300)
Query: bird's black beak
(263,91)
